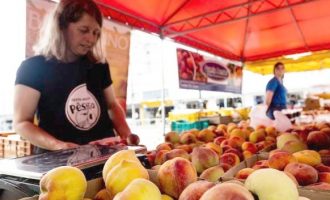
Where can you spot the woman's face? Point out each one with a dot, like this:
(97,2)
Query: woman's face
(81,37)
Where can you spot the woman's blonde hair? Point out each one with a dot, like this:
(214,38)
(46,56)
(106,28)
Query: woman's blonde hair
(52,43)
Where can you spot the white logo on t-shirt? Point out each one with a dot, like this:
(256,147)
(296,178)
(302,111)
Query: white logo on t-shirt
(82,109)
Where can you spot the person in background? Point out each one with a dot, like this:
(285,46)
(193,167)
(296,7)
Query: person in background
(275,91)
(67,85)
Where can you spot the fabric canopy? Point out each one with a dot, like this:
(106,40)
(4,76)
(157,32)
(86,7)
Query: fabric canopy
(316,61)
(243,30)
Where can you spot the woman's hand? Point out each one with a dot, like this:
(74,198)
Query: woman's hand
(65,145)
(107,141)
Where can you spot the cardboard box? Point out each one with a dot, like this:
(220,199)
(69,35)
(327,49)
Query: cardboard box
(311,194)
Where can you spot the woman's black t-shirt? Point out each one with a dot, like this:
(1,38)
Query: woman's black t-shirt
(72,106)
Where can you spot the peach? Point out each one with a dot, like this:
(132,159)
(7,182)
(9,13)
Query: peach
(293,146)
(292,178)
(133,139)
(280,159)
(151,155)
(139,189)
(318,140)
(176,153)
(261,164)
(194,131)
(230,158)
(195,190)
(212,174)
(271,131)
(103,194)
(203,158)
(326,130)
(249,146)
(271,139)
(160,157)
(322,168)
(172,137)
(166,197)
(63,182)
(216,148)
(175,175)
(257,136)
(231,126)
(121,175)
(235,151)
(228,191)
(116,158)
(238,133)
(236,142)
(224,143)
(225,148)
(285,137)
(212,128)
(225,166)
(309,157)
(304,174)
(164,146)
(274,151)
(219,139)
(244,173)
(324,177)
(188,148)
(222,127)
(219,132)
(325,156)
(302,135)
(322,125)
(187,138)
(206,135)
(247,154)
(271,184)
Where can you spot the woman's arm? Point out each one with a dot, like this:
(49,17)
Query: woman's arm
(25,103)
(116,113)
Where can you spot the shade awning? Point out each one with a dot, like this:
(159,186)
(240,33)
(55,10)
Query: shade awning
(243,30)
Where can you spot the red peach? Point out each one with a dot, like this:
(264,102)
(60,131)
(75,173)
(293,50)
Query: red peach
(230,158)
(304,174)
(280,159)
(244,173)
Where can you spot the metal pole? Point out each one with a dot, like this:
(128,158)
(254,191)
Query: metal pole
(163,87)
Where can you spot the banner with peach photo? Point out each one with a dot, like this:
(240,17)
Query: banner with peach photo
(201,72)
(115,40)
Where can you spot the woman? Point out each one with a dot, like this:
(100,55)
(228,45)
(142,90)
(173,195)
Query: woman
(66,85)
(275,91)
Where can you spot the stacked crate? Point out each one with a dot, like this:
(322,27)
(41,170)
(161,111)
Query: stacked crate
(12,146)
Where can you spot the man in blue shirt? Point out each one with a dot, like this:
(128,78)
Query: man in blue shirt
(275,91)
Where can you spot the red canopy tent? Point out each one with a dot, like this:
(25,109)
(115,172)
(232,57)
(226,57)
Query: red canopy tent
(244,30)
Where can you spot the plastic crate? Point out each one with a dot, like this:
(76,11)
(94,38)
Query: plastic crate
(183,125)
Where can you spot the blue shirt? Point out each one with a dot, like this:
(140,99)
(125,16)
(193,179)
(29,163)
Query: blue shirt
(279,97)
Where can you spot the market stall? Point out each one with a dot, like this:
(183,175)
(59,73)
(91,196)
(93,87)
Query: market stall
(239,30)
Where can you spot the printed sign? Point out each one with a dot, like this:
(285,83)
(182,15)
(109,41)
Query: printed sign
(204,73)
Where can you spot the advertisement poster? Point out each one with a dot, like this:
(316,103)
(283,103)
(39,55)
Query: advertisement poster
(115,40)
(200,72)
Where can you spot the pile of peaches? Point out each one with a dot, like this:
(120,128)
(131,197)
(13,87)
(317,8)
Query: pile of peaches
(302,152)
(215,148)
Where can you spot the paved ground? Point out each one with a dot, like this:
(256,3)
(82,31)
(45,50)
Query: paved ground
(150,135)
